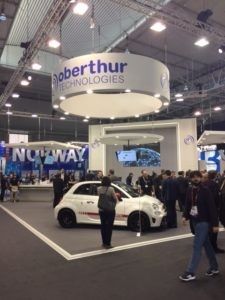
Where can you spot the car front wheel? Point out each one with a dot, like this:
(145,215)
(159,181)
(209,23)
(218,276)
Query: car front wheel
(138,222)
(67,218)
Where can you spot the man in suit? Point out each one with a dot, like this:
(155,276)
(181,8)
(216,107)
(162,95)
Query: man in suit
(58,187)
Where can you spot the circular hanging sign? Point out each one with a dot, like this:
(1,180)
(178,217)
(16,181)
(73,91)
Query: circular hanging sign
(110,85)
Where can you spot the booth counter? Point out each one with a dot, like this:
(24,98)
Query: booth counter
(36,192)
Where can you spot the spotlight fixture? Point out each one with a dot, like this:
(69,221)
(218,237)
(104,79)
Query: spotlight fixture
(127,90)
(217,108)
(112,118)
(62,98)
(178,95)
(157,95)
(157,111)
(29,77)
(202,42)
(55,106)
(34,116)
(136,116)
(15,95)
(197,113)
(87,117)
(36,66)
(53,43)
(204,15)
(9,113)
(180,99)
(24,82)
(8,105)
(221,49)
(85,120)
(158,27)
(25,45)
(89,92)
(66,113)
(3,17)
(62,118)
(80,8)
(166,103)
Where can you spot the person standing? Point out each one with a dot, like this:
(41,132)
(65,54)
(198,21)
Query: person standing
(129,179)
(14,187)
(183,185)
(107,210)
(200,209)
(4,186)
(170,196)
(146,183)
(58,187)
(112,176)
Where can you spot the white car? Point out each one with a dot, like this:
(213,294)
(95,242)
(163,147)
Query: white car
(79,205)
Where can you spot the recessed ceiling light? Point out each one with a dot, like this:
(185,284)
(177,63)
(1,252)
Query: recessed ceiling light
(34,116)
(202,42)
(197,113)
(24,82)
(15,95)
(62,118)
(166,103)
(220,50)
(178,95)
(112,118)
(87,117)
(217,108)
(9,113)
(80,8)
(117,137)
(62,97)
(157,95)
(55,106)
(29,77)
(85,120)
(66,113)
(8,105)
(158,26)
(36,66)
(136,116)
(53,43)
(180,99)
(127,90)
(89,92)
(157,111)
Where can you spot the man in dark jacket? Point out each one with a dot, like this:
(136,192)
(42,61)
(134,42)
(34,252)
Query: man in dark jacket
(200,209)
(183,185)
(146,184)
(58,186)
(3,186)
(170,196)
(214,188)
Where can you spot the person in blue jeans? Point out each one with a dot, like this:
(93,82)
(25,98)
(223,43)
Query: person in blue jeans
(200,210)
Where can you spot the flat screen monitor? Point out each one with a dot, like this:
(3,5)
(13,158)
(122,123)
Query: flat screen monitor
(126,156)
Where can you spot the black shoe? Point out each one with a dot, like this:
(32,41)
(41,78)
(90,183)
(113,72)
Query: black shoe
(107,246)
(187,276)
(219,251)
(212,272)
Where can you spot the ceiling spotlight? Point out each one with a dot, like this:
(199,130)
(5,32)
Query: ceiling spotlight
(3,17)
(197,113)
(34,116)
(136,116)
(221,49)
(89,92)
(112,118)
(180,99)
(157,111)
(62,118)
(8,105)
(202,42)
(178,95)
(158,26)
(87,117)
(24,82)
(166,103)
(80,8)
(36,66)
(55,106)
(157,95)
(62,98)
(217,108)
(85,120)
(29,77)
(9,113)
(15,95)
(66,113)
(53,43)
(127,90)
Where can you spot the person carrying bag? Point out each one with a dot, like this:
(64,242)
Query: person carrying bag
(106,204)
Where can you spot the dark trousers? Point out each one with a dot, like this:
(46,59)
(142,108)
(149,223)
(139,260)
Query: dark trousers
(2,194)
(171,214)
(107,220)
(57,199)
(181,201)
(213,239)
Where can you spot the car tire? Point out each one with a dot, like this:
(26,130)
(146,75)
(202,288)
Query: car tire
(134,222)
(67,218)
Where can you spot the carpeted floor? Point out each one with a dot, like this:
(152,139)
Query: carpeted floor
(30,270)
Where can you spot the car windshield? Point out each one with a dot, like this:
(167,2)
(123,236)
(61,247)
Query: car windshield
(132,192)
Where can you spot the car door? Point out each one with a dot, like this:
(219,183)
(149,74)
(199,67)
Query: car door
(120,218)
(86,203)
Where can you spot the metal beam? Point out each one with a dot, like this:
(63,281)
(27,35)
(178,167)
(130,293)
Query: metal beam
(53,16)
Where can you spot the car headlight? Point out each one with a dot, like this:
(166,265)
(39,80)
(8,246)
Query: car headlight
(155,206)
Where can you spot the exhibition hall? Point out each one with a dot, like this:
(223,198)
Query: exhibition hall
(112,149)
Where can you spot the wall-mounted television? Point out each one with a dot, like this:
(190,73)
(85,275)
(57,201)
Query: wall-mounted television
(126,156)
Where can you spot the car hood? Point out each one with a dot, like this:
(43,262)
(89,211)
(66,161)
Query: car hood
(150,199)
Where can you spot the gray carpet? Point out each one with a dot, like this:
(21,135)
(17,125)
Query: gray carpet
(30,270)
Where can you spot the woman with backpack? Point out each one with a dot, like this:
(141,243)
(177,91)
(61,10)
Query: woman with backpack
(107,204)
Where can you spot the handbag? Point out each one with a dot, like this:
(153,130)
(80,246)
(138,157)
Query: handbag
(106,203)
